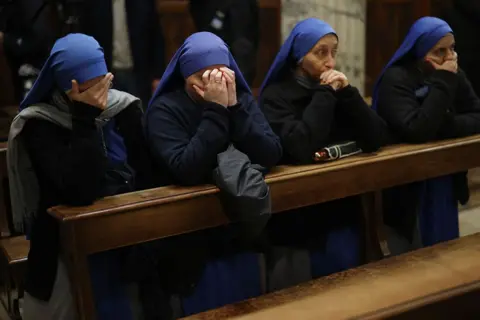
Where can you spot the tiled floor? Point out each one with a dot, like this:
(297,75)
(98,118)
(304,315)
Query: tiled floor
(3,313)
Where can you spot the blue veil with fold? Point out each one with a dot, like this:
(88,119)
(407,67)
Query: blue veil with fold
(75,57)
(199,51)
(438,218)
(303,37)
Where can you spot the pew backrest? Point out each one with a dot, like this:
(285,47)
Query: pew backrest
(173,210)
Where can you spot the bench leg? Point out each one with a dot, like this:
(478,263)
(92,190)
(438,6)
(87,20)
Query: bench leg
(18,277)
(379,225)
(8,286)
(376,246)
(78,270)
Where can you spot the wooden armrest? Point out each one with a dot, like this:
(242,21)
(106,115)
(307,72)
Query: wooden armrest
(15,249)
(375,291)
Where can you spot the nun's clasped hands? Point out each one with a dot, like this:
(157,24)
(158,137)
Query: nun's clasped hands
(334,78)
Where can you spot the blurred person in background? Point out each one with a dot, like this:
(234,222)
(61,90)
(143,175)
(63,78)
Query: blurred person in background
(131,35)
(26,37)
(236,22)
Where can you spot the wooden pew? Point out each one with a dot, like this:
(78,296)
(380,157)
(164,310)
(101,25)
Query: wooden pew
(440,282)
(5,212)
(152,214)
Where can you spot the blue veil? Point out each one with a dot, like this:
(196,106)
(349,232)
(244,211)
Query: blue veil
(438,218)
(303,37)
(75,57)
(199,51)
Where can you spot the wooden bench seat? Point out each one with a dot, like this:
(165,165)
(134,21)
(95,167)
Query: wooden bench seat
(418,285)
(15,255)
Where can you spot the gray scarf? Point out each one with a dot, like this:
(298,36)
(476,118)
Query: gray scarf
(23,182)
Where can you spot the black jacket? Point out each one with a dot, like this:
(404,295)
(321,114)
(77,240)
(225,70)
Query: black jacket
(145,34)
(71,169)
(421,107)
(308,120)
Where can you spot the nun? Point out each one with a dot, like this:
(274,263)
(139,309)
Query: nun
(423,96)
(310,105)
(75,140)
(201,106)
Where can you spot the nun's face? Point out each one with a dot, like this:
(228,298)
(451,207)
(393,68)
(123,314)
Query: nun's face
(443,51)
(196,79)
(321,57)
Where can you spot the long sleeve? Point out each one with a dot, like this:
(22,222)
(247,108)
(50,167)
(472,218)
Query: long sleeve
(75,167)
(251,133)
(465,120)
(369,130)
(130,126)
(189,158)
(301,137)
(412,120)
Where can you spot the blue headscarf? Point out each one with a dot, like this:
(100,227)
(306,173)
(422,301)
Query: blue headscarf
(422,36)
(199,51)
(75,57)
(302,38)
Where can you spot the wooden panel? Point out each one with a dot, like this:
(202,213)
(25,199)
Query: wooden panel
(178,25)
(385,289)
(156,213)
(270,38)
(388,22)
(6,87)
(5,208)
